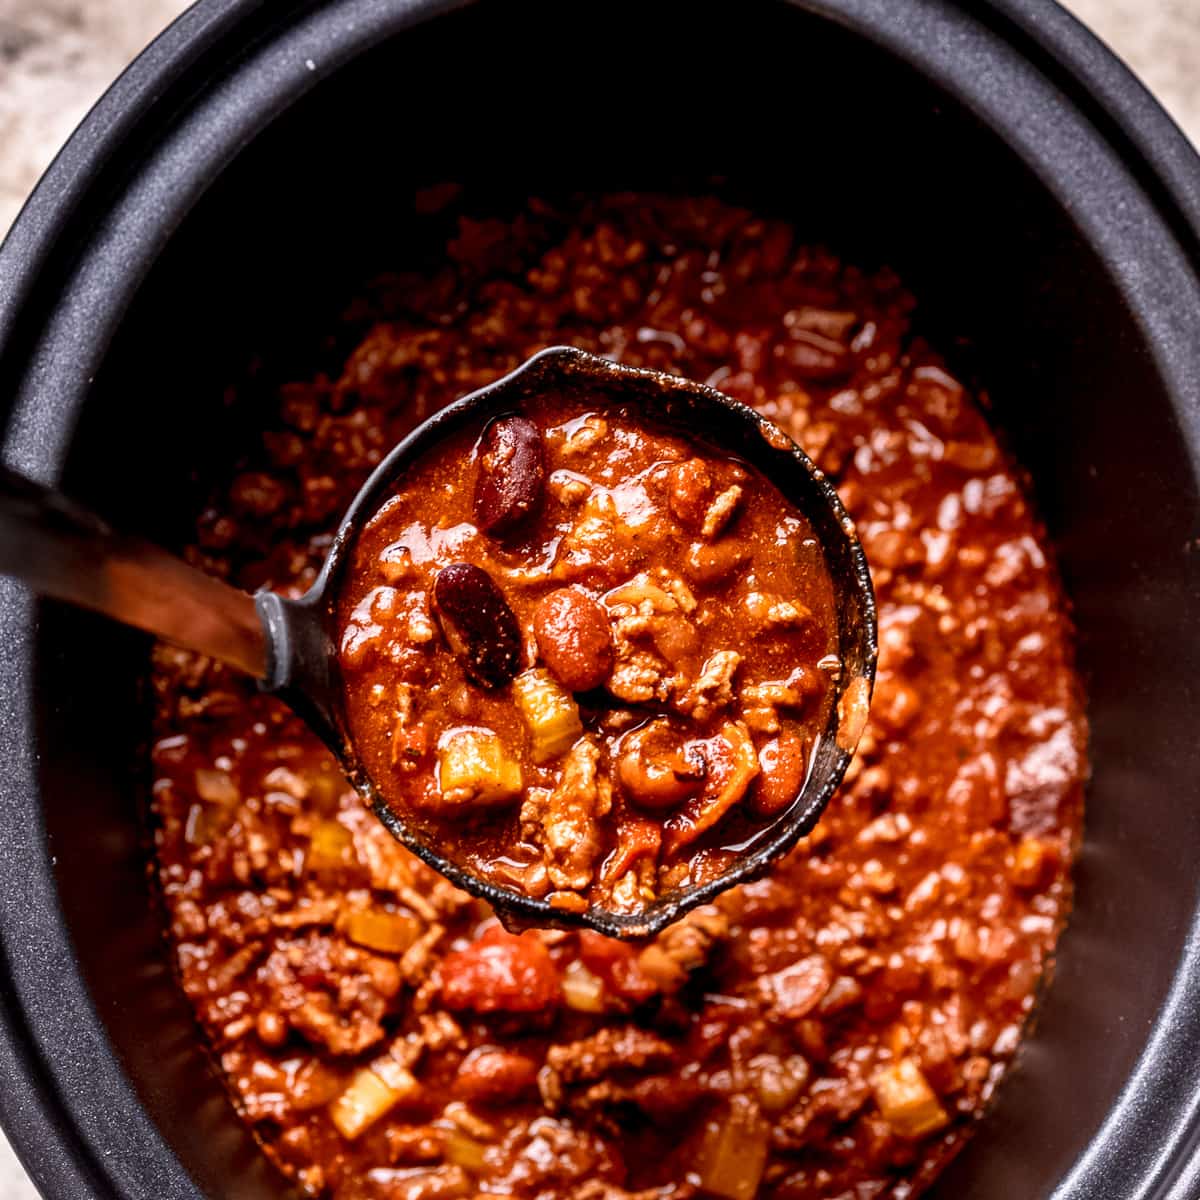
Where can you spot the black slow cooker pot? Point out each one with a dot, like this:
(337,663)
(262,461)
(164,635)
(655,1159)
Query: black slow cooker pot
(259,158)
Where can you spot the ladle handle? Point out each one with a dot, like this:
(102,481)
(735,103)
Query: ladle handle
(64,551)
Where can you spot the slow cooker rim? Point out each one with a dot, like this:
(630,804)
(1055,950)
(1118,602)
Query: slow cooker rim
(55,1151)
(150,86)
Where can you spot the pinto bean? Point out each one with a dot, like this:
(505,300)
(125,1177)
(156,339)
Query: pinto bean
(478,624)
(656,768)
(707,562)
(512,474)
(574,638)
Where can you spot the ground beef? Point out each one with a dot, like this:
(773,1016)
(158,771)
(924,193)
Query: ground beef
(827,1031)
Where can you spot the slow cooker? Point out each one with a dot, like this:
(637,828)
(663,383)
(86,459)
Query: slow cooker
(253,163)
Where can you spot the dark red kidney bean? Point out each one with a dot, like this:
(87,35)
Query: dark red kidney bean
(512,474)
(574,638)
(492,1076)
(478,624)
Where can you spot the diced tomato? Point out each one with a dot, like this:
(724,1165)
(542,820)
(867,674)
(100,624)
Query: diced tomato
(616,963)
(501,972)
(665,1099)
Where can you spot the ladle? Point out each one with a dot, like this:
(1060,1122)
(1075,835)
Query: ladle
(61,550)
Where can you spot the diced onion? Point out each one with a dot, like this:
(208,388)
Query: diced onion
(366,1099)
(387,932)
(582,991)
(907,1102)
(330,846)
(733,1151)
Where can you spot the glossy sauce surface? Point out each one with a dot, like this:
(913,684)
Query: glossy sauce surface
(831,1031)
(586,656)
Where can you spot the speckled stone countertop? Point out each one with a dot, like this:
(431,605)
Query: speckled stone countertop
(57,56)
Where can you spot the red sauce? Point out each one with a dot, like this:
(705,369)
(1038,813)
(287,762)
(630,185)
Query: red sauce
(831,1030)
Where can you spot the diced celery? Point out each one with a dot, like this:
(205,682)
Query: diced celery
(549,711)
(475,768)
(462,1150)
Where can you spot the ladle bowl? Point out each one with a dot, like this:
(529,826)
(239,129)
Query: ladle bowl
(302,662)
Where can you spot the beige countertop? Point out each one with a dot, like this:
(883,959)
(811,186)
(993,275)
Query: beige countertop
(57,56)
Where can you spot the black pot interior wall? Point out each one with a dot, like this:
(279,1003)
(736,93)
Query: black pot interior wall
(801,119)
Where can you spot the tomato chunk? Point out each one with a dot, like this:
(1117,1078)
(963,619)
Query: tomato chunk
(617,964)
(501,972)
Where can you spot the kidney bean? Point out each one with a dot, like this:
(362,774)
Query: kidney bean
(574,638)
(665,1099)
(782,762)
(689,491)
(478,624)
(512,474)
(489,1075)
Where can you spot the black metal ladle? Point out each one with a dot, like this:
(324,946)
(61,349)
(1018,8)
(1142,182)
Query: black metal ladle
(63,551)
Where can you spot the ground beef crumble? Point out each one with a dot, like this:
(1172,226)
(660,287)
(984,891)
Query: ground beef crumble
(828,1031)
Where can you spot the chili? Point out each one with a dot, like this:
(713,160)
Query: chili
(674,682)
(831,1030)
